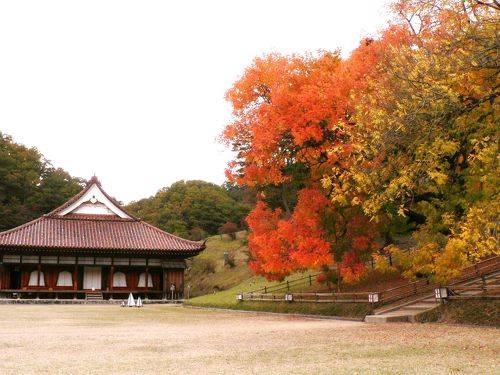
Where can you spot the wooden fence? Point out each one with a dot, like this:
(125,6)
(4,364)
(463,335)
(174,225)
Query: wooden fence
(474,292)
(309,297)
(306,280)
(480,269)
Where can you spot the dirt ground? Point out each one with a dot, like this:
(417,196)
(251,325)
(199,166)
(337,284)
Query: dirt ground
(160,339)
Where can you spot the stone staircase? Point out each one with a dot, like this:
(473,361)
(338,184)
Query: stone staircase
(407,311)
(93,296)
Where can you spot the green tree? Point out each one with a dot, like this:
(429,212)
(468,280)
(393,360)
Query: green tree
(186,205)
(29,185)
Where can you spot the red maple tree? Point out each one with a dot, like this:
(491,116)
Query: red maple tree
(292,117)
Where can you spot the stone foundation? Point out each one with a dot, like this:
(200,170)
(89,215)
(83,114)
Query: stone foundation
(11,301)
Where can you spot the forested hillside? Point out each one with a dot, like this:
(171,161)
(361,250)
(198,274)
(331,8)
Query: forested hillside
(193,209)
(29,185)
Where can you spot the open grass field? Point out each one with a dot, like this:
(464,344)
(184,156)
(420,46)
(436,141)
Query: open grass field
(168,339)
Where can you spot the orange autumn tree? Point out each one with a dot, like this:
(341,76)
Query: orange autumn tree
(292,118)
(399,138)
(280,246)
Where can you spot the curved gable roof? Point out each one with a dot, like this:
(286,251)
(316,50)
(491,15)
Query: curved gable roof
(62,228)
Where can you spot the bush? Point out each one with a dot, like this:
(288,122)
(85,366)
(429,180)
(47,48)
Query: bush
(229,228)
(229,260)
(204,266)
(480,312)
(197,234)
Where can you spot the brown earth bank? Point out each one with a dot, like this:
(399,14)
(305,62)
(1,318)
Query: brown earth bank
(478,312)
(161,339)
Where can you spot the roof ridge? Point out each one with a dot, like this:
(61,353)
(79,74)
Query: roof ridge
(70,201)
(114,201)
(93,181)
(87,217)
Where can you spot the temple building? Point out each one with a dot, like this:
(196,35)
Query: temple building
(91,248)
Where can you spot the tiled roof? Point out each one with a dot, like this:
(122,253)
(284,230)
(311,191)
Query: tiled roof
(95,232)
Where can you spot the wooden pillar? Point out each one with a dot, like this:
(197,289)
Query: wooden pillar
(181,284)
(147,282)
(111,275)
(39,268)
(164,279)
(75,280)
(2,272)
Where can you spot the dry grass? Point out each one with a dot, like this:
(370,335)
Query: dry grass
(161,339)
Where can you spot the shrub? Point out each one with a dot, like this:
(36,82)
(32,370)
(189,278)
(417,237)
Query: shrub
(197,234)
(230,261)
(229,228)
(204,266)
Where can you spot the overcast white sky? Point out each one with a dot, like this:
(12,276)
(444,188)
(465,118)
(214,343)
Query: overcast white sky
(134,91)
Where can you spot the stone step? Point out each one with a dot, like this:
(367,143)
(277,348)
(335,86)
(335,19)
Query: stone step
(386,318)
(403,312)
(93,296)
(421,306)
(428,301)
(431,300)
(408,312)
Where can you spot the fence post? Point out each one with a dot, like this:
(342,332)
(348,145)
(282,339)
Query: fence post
(310,280)
(265,289)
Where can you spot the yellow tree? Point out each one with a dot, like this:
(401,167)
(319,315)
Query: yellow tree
(427,135)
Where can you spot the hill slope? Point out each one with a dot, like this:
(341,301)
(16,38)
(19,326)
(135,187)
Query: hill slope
(207,273)
(215,283)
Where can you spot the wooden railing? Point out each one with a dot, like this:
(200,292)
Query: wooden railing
(486,288)
(475,291)
(285,285)
(480,269)
(406,290)
(310,297)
